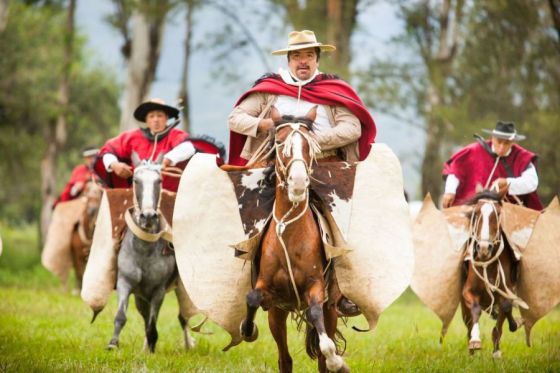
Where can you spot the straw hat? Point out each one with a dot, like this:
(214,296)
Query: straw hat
(154,104)
(506,131)
(301,40)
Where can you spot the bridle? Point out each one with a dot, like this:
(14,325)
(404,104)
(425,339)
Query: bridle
(285,147)
(496,241)
(282,171)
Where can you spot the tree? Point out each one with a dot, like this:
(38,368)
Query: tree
(184,90)
(4,11)
(141,48)
(29,106)
(57,131)
(333,21)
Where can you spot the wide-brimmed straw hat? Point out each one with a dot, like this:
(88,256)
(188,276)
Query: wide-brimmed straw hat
(506,131)
(154,104)
(301,40)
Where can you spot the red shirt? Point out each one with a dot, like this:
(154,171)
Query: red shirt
(323,90)
(140,141)
(80,173)
(472,165)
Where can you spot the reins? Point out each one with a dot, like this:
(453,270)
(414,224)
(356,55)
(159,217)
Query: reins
(500,276)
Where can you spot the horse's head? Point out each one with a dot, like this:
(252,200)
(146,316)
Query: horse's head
(93,193)
(485,224)
(295,152)
(147,188)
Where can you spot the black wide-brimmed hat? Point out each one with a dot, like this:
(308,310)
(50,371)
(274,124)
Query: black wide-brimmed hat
(89,151)
(154,104)
(506,131)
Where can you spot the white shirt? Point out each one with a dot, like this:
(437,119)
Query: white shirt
(524,184)
(180,153)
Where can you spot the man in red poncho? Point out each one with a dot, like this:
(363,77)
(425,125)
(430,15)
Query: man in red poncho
(343,127)
(79,177)
(499,161)
(114,165)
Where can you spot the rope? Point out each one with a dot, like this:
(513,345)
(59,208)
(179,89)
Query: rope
(500,278)
(280,228)
(492,172)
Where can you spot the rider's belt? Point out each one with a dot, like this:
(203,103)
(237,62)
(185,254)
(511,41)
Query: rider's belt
(327,153)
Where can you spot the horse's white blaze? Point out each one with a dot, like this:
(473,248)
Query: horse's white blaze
(328,349)
(485,211)
(297,174)
(475,333)
(148,181)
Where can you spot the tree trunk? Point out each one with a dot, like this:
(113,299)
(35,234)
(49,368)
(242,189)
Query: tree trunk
(4,10)
(184,90)
(147,35)
(333,22)
(56,133)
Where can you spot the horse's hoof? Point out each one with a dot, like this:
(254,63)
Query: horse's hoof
(475,345)
(344,369)
(518,324)
(112,346)
(335,364)
(497,354)
(254,333)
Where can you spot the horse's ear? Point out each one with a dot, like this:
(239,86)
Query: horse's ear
(312,113)
(159,158)
(478,188)
(135,158)
(275,114)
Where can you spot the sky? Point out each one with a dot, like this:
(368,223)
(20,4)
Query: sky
(211,102)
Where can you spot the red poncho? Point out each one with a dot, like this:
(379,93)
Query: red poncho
(142,142)
(323,90)
(473,164)
(80,174)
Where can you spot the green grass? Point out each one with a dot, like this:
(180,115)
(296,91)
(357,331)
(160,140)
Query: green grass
(45,329)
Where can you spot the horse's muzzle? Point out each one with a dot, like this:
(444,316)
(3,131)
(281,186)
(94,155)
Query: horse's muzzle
(147,218)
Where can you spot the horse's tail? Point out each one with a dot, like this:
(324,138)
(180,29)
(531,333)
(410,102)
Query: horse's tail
(312,341)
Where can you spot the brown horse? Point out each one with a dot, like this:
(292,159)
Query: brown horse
(292,262)
(491,272)
(80,243)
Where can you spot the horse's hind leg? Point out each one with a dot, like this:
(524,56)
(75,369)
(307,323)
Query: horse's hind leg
(186,309)
(277,323)
(512,322)
(497,332)
(123,292)
(333,362)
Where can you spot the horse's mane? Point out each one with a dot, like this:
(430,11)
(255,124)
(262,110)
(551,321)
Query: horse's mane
(485,194)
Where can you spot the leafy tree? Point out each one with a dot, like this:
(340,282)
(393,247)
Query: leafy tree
(32,49)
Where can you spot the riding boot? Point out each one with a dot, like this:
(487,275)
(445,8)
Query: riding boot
(344,306)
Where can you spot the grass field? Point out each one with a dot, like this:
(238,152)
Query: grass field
(45,329)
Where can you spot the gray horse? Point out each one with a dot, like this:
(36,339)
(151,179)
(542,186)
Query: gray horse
(143,269)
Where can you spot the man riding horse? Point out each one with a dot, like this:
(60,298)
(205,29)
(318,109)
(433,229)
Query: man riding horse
(79,177)
(499,161)
(343,128)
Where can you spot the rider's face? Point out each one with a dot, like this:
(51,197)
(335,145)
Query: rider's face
(156,121)
(303,63)
(501,146)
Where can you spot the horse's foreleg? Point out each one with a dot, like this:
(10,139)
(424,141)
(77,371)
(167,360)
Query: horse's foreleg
(123,292)
(249,330)
(329,358)
(497,332)
(151,329)
(472,303)
(277,323)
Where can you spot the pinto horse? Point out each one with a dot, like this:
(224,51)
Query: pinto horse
(292,261)
(80,242)
(145,267)
(491,272)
